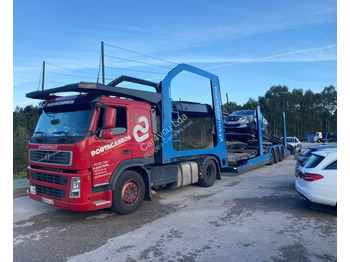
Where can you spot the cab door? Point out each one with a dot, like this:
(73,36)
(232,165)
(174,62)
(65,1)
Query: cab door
(108,152)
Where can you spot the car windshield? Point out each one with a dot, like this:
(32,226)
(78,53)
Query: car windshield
(290,140)
(65,123)
(243,113)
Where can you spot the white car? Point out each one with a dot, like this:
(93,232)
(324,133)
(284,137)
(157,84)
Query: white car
(295,143)
(317,178)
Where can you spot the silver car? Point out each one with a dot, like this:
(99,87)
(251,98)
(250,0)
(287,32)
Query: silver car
(243,121)
(295,143)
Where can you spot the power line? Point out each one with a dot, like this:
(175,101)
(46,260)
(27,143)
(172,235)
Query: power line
(135,70)
(139,53)
(135,61)
(53,82)
(69,75)
(71,69)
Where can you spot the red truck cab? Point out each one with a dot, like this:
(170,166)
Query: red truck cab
(78,146)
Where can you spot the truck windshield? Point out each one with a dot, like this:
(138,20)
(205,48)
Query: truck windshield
(70,123)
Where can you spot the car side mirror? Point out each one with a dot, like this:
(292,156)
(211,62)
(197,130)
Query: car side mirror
(107,134)
(110,117)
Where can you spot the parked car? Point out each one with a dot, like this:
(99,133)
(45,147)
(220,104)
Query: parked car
(315,137)
(307,153)
(243,121)
(317,179)
(295,143)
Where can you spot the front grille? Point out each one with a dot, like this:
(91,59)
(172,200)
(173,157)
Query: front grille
(59,158)
(48,178)
(49,191)
(233,125)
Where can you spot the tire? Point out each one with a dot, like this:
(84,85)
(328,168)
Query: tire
(282,153)
(272,156)
(275,156)
(279,157)
(129,192)
(209,173)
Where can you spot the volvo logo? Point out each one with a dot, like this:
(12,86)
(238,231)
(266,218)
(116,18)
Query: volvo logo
(47,156)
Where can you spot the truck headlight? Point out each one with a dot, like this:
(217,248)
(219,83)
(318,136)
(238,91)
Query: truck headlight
(75,187)
(33,190)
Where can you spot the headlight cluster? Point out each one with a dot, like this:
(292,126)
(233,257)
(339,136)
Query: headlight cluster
(75,187)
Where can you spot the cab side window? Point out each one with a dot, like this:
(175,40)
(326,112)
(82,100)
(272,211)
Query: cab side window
(120,125)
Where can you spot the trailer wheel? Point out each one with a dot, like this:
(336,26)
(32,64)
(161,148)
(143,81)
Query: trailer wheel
(275,159)
(209,173)
(272,156)
(281,154)
(129,192)
(279,157)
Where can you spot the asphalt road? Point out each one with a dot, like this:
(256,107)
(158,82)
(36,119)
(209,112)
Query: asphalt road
(255,216)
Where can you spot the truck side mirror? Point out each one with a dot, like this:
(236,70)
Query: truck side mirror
(107,134)
(110,117)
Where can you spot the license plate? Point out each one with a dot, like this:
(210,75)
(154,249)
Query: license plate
(231,122)
(47,201)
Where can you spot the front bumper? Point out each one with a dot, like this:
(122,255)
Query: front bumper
(53,188)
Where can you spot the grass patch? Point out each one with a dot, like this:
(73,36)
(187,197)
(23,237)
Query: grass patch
(20,175)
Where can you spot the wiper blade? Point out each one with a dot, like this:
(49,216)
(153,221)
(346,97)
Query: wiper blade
(39,132)
(63,132)
(43,134)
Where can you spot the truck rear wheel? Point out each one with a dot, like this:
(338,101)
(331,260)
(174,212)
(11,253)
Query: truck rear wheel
(129,192)
(209,173)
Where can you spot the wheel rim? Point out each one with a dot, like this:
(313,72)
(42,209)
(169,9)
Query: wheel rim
(209,171)
(130,192)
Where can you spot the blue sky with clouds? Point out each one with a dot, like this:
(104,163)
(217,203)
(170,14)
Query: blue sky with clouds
(251,45)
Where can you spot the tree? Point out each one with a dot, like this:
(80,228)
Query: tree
(275,101)
(20,139)
(251,104)
(329,103)
(24,122)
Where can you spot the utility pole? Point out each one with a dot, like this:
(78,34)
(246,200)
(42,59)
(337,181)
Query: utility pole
(103,62)
(43,77)
(227,108)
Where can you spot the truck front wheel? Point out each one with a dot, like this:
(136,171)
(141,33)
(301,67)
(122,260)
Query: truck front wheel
(209,173)
(129,192)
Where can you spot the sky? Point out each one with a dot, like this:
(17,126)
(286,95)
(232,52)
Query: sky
(250,45)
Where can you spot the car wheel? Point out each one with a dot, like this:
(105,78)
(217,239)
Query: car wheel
(292,152)
(129,192)
(209,173)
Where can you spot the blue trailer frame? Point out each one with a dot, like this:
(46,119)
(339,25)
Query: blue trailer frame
(169,154)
